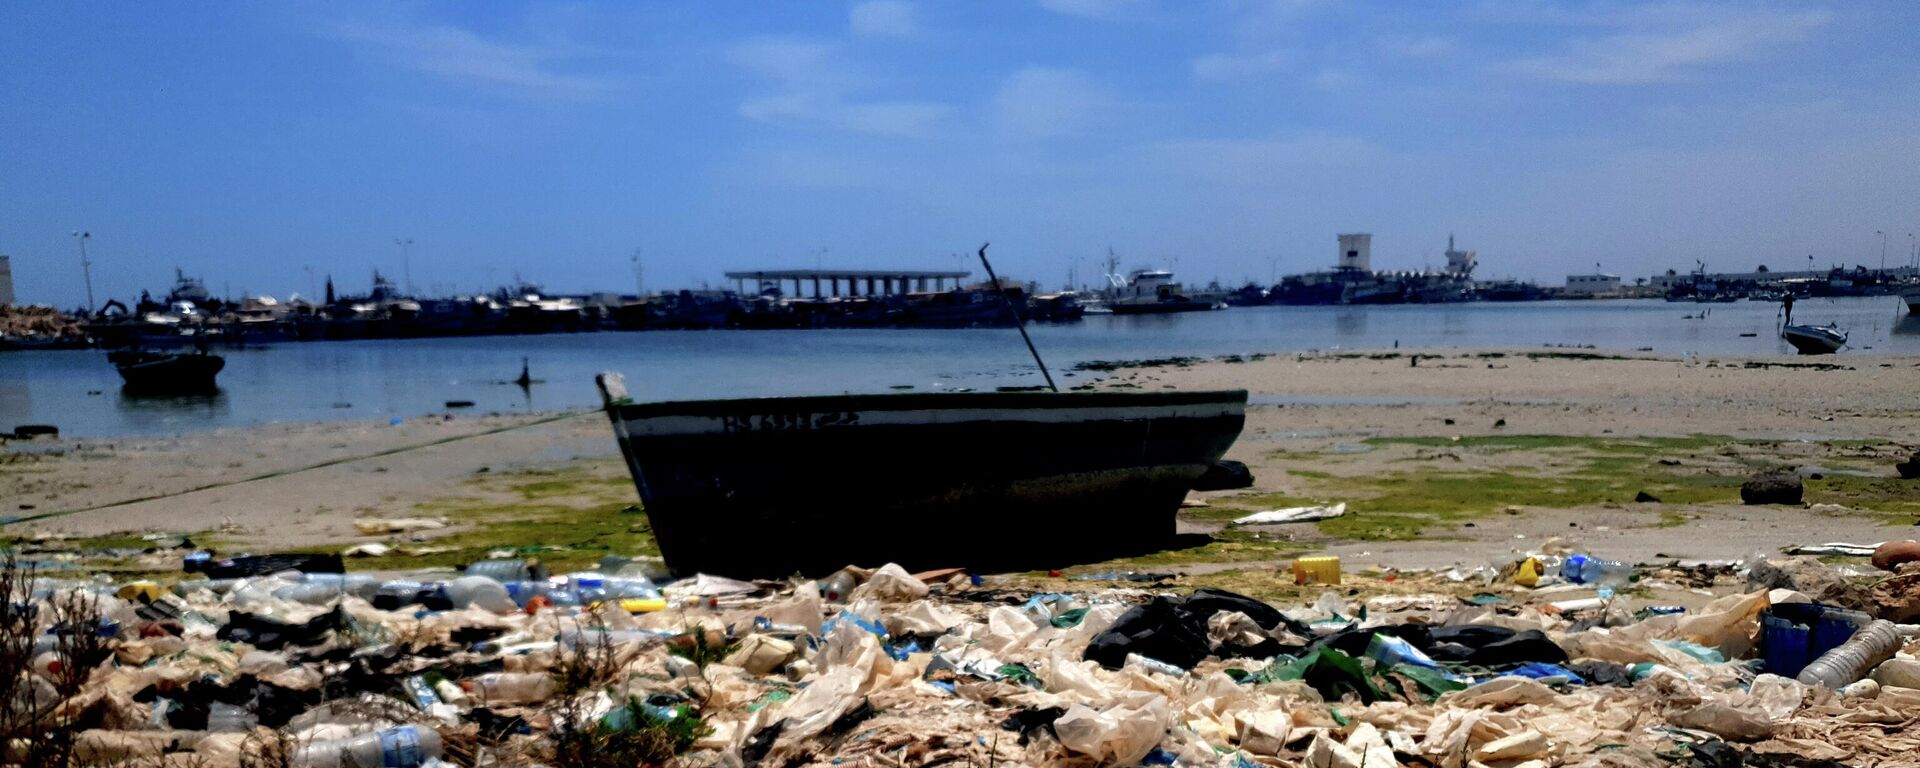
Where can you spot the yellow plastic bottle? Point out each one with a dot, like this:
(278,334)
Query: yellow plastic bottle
(1323,569)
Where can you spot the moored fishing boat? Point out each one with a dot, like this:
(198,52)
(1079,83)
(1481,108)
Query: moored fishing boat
(167,372)
(767,487)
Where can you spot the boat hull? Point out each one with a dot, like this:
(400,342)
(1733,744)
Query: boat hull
(1912,298)
(154,372)
(1813,340)
(771,487)
(1159,307)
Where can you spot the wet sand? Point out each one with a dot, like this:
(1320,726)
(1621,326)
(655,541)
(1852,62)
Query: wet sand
(270,493)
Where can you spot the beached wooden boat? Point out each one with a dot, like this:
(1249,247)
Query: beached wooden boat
(769,487)
(1814,339)
(167,372)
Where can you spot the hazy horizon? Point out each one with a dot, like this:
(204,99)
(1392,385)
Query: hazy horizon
(1229,139)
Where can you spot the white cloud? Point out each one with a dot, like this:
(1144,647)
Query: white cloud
(460,55)
(1667,47)
(1039,102)
(1223,66)
(884,18)
(816,88)
(1261,162)
(1104,10)
(1433,47)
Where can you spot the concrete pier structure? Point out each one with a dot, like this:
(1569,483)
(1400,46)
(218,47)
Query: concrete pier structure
(825,283)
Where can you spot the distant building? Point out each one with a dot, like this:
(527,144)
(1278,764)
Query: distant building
(6,281)
(1356,252)
(1460,262)
(1588,285)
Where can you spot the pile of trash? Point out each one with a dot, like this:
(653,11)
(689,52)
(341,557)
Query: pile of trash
(504,664)
(28,322)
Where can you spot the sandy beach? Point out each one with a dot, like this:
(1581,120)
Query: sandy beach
(1321,428)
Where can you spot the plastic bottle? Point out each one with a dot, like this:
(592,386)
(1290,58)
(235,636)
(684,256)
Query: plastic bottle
(453,694)
(1570,569)
(227,718)
(634,587)
(1608,573)
(836,588)
(1873,644)
(574,638)
(511,688)
(479,592)
(408,746)
(397,594)
(1140,662)
(507,570)
(589,587)
(422,694)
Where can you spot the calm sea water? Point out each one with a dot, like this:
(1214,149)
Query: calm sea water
(383,380)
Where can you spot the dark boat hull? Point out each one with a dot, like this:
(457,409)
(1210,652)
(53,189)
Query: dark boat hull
(767,488)
(1159,307)
(167,373)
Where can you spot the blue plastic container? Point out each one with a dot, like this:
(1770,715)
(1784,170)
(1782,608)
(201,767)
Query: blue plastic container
(1794,634)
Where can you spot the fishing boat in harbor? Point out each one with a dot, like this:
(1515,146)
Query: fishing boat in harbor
(1912,297)
(167,372)
(772,486)
(1151,292)
(1814,339)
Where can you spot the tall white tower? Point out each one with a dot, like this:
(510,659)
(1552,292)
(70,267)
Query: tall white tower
(6,281)
(1356,252)
(1460,262)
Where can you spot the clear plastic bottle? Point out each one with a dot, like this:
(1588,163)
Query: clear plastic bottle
(227,718)
(511,688)
(1873,644)
(422,694)
(632,587)
(397,594)
(1608,573)
(589,587)
(479,592)
(592,637)
(407,746)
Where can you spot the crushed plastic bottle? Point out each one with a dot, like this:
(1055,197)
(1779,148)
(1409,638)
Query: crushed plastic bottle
(837,587)
(1140,662)
(1873,644)
(407,746)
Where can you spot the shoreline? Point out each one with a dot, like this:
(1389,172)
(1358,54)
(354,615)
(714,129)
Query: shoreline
(1342,426)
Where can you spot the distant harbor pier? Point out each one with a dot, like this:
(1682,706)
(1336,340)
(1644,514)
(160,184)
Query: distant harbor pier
(859,282)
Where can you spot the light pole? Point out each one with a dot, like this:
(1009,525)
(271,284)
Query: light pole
(406,265)
(86,267)
(1883,248)
(640,285)
(1914,251)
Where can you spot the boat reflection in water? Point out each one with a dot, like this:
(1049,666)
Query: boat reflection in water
(150,413)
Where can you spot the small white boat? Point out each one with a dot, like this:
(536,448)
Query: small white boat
(1814,339)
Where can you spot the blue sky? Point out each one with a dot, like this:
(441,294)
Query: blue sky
(1227,138)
